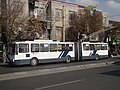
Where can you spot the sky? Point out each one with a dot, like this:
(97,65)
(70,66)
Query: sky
(112,7)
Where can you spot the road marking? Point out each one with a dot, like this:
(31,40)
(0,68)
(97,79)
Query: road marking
(60,84)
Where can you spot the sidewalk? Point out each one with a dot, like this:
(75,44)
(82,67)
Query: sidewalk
(2,64)
(117,62)
(118,56)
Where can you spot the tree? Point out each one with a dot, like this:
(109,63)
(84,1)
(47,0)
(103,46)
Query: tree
(10,18)
(15,24)
(115,35)
(96,21)
(33,29)
(77,24)
(87,23)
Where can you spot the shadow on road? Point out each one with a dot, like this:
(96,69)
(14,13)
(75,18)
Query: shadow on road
(113,73)
(12,66)
(116,72)
(5,65)
(116,63)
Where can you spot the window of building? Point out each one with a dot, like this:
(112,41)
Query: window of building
(71,15)
(58,33)
(17,6)
(58,14)
(81,11)
(40,11)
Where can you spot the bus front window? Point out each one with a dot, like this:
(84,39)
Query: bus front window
(23,48)
(14,49)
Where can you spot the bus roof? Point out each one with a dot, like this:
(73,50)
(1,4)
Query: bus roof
(94,43)
(42,41)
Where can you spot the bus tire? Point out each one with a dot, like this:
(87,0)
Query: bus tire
(34,62)
(68,59)
(97,57)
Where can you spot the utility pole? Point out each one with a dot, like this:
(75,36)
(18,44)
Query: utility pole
(63,24)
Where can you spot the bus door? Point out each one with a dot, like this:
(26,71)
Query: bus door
(23,51)
(93,50)
(86,50)
(78,51)
(35,50)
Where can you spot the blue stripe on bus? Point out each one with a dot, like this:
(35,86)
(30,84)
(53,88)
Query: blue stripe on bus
(93,53)
(65,53)
(60,54)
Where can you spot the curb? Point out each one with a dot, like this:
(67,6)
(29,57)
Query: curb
(1,64)
(24,74)
(115,56)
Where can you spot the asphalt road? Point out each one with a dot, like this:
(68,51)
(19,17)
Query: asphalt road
(11,69)
(102,78)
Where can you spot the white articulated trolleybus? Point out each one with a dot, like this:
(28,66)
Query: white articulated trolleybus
(91,50)
(41,51)
(46,51)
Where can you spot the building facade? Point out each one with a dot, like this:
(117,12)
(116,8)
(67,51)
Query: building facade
(58,15)
(61,16)
(55,16)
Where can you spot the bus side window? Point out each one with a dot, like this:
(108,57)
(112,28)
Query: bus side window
(34,47)
(85,47)
(104,47)
(92,47)
(61,47)
(69,47)
(23,48)
(44,47)
(53,47)
(98,46)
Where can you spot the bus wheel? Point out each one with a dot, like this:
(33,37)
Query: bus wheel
(68,59)
(33,62)
(97,57)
